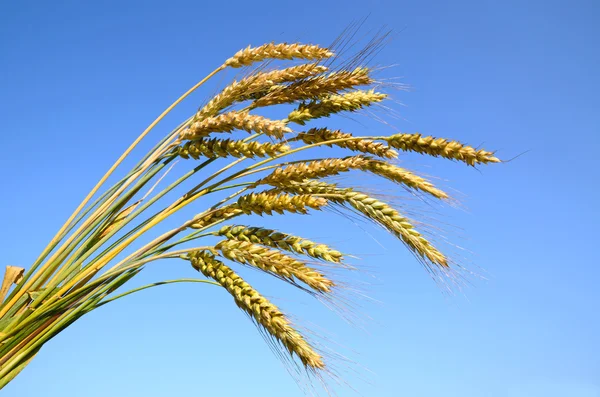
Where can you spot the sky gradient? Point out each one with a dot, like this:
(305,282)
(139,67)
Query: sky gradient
(80,80)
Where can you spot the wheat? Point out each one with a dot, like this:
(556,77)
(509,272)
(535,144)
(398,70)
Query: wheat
(221,214)
(250,54)
(319,135)
(230,121)
(314,169)
(213,148)
(391,219)
(272,238)
(274,262)
(316,87)
(405,177)
(269,202)
(324,107)
(274,80)
(376,210)
(258,308)
(441,147)
(82,266)
(252,86)
(308,186)
(264,203)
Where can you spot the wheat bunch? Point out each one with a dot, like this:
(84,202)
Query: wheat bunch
(105,242)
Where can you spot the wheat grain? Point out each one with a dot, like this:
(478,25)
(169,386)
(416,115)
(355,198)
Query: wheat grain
(258,308)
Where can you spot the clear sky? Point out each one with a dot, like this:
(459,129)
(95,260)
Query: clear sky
(79,81)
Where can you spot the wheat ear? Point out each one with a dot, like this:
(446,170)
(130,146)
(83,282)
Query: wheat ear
(392,220)
(376,210)
(324,107)
(230,121)
(274,262)
(253,86)
(319,135)
(264,203)
(213,148)
(314,169)
(405,177)
(275,239)
(316,87)
(441,147)
(263,312)
(250,55)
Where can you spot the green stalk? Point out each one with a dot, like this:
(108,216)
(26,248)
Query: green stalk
(180,280)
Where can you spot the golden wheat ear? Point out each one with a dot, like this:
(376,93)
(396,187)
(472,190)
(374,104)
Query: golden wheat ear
(214,148)
(346,141)
(236,121)
(263,312)
(251,55)
(255,86)
(440,147)
(284,241)
(347,102)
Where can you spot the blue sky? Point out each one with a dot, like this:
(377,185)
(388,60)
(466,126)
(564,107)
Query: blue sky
(80,80)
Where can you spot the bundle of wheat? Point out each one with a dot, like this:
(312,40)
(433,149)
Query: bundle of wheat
(78,272)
